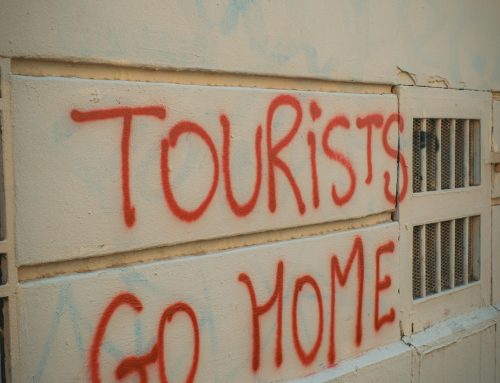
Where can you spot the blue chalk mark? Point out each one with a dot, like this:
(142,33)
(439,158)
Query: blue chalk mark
(139,349)
(50,339)
(75,317)
(234,10)
(65,304)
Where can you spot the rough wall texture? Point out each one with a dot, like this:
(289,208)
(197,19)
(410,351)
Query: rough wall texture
(445,43)
(226,191)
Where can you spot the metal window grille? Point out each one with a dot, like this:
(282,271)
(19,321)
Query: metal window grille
(446,255)
(446,154)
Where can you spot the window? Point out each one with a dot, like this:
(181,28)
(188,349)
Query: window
(445,255)
(446,154)
(445,219)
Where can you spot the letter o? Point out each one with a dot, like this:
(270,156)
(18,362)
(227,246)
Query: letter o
(180,128)
(306,357)
(167,315)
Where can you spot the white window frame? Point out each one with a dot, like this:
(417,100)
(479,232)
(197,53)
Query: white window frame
(436,206)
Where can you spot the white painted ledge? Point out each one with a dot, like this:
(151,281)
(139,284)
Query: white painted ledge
(414,358)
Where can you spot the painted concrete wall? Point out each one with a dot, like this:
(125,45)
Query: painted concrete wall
(193,163)
(223,191)
(267,312)
(444,43)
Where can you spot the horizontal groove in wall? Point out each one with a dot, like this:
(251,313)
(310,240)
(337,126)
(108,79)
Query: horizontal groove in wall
(31,272)
(30,67)
(495,201)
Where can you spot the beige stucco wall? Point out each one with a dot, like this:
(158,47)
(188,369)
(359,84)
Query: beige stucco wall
(73,252)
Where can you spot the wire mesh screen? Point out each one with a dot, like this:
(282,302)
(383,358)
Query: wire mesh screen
(431,148)
(460,153)
(417,262)
(459,251)
(430,259)
(446,153)
(445,255)
(447,258)
(417,157)
(449,151)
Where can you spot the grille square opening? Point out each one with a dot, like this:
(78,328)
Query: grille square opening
(446,154)
(446,255)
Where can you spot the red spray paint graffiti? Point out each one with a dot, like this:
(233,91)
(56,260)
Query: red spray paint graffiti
(257,311)
(342,276)
(306,357)
(349,268)
(126,113)
(185,127)
(139,364)
(275,148)
(337,275)
(341,122)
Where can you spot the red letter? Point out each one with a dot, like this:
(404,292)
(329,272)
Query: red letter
(397,156)
(273,150)
(95,349)
(342,122)
(342,276)
(382,285)
(306,358)
(167,315)
(137,364)
(245,209)
(315,110)
(311,140)
(180,128)
(368,122)
(126,113)
(257,311)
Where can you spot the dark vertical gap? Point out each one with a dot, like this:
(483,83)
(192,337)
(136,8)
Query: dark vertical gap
(3,269)
(474,247)
(474,153)
(3,338)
